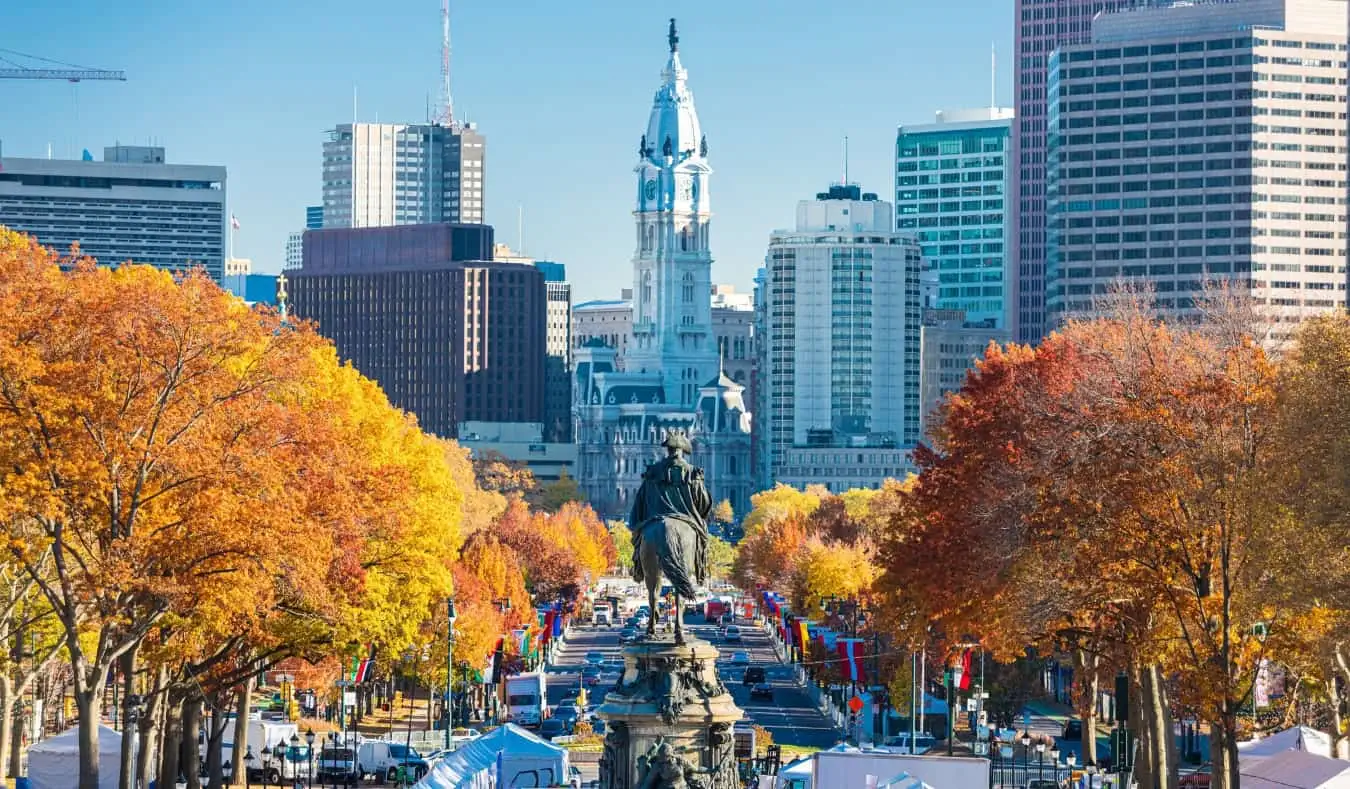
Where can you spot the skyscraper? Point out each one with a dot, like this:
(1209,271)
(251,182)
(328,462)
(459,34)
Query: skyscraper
(448,334)
(558,353)
(377,174)
(840,322)
(130,206)
(671,378)
(1201,142)
(951,189)
(1042,27)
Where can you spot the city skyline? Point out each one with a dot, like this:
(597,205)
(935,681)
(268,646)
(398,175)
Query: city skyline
(266,97)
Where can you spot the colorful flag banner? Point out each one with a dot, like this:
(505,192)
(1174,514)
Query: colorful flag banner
(852,650)
(964,684)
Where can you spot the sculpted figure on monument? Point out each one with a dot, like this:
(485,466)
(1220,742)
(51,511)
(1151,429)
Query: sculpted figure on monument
(670,529)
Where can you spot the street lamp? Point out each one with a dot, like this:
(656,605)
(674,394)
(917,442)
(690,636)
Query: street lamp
(1040,760)
(248,758)
(449,668)
(1026,753)
(309,745)
(266,762)
(951,680)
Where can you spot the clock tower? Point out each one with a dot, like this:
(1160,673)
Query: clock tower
(672,262)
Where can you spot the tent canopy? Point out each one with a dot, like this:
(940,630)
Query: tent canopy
(1299,738)
(1299,769)
(526,760)
(55,763)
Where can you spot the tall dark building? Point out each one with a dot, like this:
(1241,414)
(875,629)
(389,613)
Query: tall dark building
(450,335)
(558,372)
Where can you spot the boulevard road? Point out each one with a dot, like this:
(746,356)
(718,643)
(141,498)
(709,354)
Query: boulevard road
(790,717)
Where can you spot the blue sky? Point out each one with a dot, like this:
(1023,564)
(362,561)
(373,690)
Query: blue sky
(562,91)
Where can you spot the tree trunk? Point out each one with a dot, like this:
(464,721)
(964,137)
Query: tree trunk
(7,707)
(1085,666)
(126,776)
(243,699)
(1158,724)
(192,752)
(88,700)
(16,732)
(1223,752)
(171,749)
(151,730)
(215,746)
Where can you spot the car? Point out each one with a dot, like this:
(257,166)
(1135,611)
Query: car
(732,633)
(1042,783)
(595,658)
(923,743)
(740,658)
(338,763)
(569,714)
(386,760)
(753,675)
(1073,729)
(631,622)
(628,635)
(591,675)
(1200,779)
(552,727)
(761,690)
(597,726)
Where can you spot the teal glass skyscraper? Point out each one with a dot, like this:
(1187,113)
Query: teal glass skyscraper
(951,191)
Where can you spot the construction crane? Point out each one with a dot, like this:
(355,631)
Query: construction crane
(66,71)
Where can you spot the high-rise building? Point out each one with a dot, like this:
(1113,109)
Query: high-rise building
(238,266)
(1042,26)
(1201,142)
(313,217)
(130,206)
(295,249)
(558,350)
(950,347)
(840,332)
(951,190)
(377,174)
(672,380)
(450,335)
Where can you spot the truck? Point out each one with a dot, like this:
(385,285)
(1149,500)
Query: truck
(602,613)
(525,699)
(714,608)
(283,762)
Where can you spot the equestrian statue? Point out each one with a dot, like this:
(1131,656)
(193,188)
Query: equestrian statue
(670,528)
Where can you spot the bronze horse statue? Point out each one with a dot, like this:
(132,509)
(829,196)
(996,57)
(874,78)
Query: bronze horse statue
(670,532)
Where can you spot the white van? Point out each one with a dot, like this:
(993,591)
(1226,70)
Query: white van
(383,760)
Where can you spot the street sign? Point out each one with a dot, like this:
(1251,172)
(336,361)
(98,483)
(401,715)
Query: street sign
(972,705)
(855,705)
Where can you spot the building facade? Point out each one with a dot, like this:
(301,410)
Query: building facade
(952,180)
(313,217)
(840,338)
(558,350)
(1042,26)
(130,206)
(671,377)
(295,250)
(377,174)
(1198,143)
(448,334)
(951,345)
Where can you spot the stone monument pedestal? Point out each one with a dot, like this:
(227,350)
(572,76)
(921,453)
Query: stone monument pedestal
(669,720)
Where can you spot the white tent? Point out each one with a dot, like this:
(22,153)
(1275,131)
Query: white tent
(904,781)
(55,763)
(801,771)
(1299,738)
(506,758)
(1296,770)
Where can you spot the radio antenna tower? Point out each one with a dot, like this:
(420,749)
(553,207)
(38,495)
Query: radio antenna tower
(447,115)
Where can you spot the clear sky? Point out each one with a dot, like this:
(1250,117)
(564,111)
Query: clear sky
(561,89)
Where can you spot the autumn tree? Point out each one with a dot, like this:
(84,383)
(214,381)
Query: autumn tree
(561,491)
(622,538)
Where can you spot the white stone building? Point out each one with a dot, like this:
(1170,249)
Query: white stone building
(839,346)
(671,378)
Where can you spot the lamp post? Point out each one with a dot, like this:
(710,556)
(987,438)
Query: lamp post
(248,758)
(1040,760)
(1054,764)
(309,745)
(951,679)
(449,668)
(1069,761)
(289,756)
(266,762)
(1026,755)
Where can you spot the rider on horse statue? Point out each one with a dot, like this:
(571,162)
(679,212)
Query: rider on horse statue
(673,488)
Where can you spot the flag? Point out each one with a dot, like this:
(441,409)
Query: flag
(851,650)
(965,670)
(363,667)
(803,633)
(234,222)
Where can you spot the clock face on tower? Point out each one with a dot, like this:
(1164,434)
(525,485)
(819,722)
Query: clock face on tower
(650,190)
(686,188)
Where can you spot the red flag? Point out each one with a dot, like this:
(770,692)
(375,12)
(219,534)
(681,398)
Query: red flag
(965,670)
(851,650)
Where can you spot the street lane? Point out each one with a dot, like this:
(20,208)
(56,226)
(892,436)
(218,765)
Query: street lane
(790,718)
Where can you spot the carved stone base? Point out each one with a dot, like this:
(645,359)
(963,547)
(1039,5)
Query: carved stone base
(669,720)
